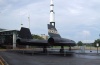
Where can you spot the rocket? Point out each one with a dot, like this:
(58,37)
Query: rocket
(52,13)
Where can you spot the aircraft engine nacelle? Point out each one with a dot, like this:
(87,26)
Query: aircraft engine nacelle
(53,40)
(18,41)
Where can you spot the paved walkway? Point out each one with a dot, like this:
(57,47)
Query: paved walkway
(13,58)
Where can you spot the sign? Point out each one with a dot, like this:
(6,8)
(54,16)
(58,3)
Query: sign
(97,44)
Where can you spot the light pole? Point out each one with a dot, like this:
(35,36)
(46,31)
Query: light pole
(97,44)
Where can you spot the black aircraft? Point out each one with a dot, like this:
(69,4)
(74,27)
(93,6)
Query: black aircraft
(56,40)
(25,38)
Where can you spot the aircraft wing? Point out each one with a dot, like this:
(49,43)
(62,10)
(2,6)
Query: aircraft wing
(64,44)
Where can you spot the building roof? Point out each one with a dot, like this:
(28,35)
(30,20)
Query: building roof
(5,30)
(1,29)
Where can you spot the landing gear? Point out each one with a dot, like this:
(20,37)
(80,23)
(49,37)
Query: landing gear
(44,49)
(70,48)
(62,49)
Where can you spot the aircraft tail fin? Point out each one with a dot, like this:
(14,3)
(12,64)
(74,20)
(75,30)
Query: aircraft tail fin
(25,33)
(52,31)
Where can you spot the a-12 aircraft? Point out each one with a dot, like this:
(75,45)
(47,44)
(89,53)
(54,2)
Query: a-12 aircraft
(25,38)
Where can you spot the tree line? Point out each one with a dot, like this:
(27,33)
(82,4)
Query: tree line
(37,37)
(80,43)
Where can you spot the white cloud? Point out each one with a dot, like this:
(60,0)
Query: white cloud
(85,32)
(2,2)
(74,19)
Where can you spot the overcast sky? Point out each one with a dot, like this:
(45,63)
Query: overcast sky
(78,20)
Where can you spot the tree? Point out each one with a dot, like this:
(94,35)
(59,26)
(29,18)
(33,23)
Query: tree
(37,37)
(79,43)
(96,41)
